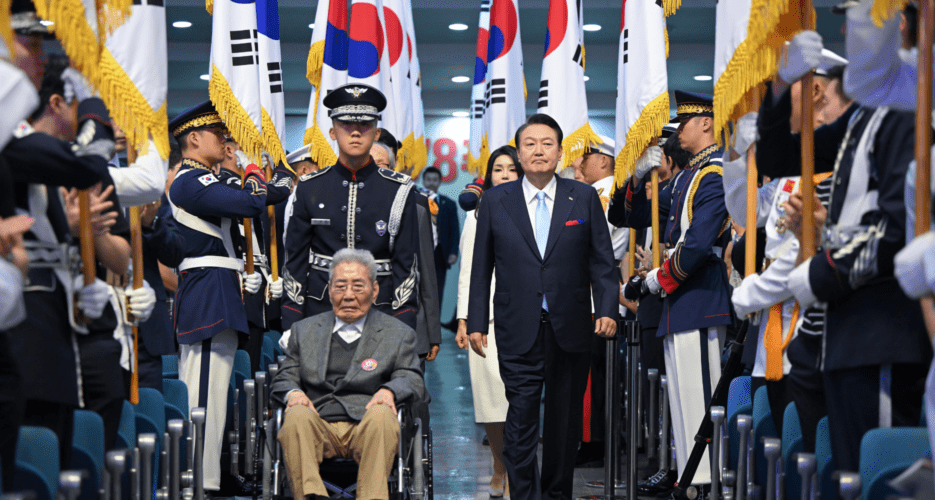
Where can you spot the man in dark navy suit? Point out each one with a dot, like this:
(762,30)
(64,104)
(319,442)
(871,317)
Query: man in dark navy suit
(548,240)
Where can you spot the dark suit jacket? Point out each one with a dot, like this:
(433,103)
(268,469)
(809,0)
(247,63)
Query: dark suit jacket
(579,260)
(163,243)
(449,232)
(385,339)
(428,321)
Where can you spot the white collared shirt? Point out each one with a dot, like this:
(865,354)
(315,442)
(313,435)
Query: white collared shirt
(349,331)
(530,192)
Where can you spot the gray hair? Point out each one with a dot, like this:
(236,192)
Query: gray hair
(389,154)
(352,255)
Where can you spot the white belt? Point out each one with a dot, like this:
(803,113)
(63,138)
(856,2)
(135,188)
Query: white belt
(715,250)
(212,261)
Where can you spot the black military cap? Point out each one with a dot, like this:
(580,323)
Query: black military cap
(667,130)
(355,102)
(689,104)
(197,117)
(24,20)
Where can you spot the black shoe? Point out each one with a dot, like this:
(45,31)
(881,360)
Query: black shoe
(662,482)
(486,441)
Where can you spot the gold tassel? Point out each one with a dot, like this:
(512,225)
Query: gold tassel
(6,28)
(271,142)
(130,110)
(111,14)
(321,152)
(237,120)
(316,57)
(420,153)
(484,156)
(81,43)
(670,7)
(665,32)
(646,128)
(884,10)
(473,164)
(209,6)
(405,155)
(576,144)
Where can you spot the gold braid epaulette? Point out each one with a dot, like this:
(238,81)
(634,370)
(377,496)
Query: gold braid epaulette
(188,162)
(696,182)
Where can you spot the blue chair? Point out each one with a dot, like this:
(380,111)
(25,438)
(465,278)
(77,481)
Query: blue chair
(738,403)
(176,394)
(792,444)
(763,426)
(87,451)
(126,433)
(827,486)
(275,336)
(242,364)
(267,354)
(151,418)
(170,366)
(885,454)
(37,465)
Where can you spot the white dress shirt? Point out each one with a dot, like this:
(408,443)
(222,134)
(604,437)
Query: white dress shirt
(142,182)
(530,192)
(349,331)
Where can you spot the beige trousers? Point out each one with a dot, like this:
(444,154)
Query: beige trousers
(307,439)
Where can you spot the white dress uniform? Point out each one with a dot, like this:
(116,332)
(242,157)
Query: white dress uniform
(141,182)
(490,404)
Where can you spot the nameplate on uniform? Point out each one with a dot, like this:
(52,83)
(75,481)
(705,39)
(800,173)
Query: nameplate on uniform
(207,179)
(320,222)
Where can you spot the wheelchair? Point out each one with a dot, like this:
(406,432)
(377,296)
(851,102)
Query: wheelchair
(256,457)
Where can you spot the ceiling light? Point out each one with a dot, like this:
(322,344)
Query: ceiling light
(181,24)
(703,78)
(205,77)
(461,114)
(457,27)
(460,79)
(46,23)
(591,27)
(586,78)
(312,26)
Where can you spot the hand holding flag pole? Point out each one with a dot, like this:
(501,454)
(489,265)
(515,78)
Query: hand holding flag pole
(924,140)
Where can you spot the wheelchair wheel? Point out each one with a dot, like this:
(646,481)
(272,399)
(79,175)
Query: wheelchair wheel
(418,489)
(430,473)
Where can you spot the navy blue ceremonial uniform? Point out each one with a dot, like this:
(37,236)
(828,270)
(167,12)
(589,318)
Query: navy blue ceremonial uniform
(337,208)
(211,295)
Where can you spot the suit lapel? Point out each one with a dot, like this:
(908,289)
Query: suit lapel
(564,200)
(515,204)
(366,348)
(326,325)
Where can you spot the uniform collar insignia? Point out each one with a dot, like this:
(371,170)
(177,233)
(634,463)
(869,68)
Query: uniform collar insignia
(190,163)
(702,157)
(356,91)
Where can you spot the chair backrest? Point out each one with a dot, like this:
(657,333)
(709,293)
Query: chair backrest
(176,394)
(826,484)
(242,363)
(126,433)
(792,444)
(268,349)
(87,451)
(153,405)
(738,395)
(170,366)
(746,409)
(763,426)
(37,464)
(889,450)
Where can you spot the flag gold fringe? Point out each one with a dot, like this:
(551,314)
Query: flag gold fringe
(271,142)
(670,7)
(420,154)
(404,155)
(576,144)
(209,6)
(316,57)
(81,43)
(473,164)
(646,128)
(320,152)
(6,28)
(130,110)
(484,156)
(237,120)
(665,33)
(883,10)
(111,14)
(772,23)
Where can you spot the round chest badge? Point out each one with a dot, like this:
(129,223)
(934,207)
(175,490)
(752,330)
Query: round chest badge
(369,365)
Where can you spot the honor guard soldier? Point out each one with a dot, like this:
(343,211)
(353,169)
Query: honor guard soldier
(693,276)
(352,204)
(209,311)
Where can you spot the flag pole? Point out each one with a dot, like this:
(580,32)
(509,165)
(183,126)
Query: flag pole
(923,193)
(273,243)
(657,253)
(808,147)
(750,231)
(86,237)
(247,233)
(631,253)
(136,246)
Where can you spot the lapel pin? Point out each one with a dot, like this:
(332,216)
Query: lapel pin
(369,365)
(570,198)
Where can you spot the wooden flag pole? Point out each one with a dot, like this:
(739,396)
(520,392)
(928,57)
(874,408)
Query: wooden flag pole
(657,252)
(631,254)
(136,246)
(924,138)
(273,243)
(247,234)
(750,231)
(807,133)
(86,237)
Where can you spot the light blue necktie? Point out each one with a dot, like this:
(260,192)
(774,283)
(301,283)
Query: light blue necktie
(542,231)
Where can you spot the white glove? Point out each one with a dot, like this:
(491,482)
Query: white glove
(651,159)
(804,56)
(252,282)
(745,133)
(652,282)
(242,160)
(142,301)
(275,289)
(92,298)
(284,340)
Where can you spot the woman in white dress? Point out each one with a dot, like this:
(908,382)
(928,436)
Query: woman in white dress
(490,404)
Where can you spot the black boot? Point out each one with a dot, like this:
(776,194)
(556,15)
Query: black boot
(660,483)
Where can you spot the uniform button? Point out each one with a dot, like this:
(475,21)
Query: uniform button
(360,186)
(838,182)
(358,210)
(358,237)
(344,208)
(543,267)
(672,218)
(344,184)
(343,237)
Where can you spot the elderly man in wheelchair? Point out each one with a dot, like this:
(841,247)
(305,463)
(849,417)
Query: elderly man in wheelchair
(344,373)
